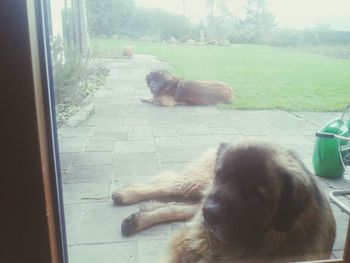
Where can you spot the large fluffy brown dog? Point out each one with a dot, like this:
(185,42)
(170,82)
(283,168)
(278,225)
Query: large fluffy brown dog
(170,91)
(255,203)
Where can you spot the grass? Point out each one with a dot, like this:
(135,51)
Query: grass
(262,77)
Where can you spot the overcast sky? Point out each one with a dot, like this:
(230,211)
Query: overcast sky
(289,13)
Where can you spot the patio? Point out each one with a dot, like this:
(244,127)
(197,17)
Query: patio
(126,141)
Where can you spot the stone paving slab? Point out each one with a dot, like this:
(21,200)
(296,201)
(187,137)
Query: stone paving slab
(73,144)
(126,141)
(73,215)
(119,134)
(150,251)
(164,131)
(82,174)
(136,164)
(176,154)
(135,147)
(167,141)
(70,160)
(80,131)
(77,193)
(100,145)
(125,252)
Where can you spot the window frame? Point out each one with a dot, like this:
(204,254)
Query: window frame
(35,162)
(38,22)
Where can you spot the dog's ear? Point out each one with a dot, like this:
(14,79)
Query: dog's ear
(169,83)
(295,197)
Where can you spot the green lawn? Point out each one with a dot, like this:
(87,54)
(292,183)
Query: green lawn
(262,77)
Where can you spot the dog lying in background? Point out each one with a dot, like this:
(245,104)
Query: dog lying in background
(252,202)
(170,91)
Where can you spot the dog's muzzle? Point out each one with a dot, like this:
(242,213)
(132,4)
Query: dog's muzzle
(212,213)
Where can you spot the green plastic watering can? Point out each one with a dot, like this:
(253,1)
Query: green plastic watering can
(331,150)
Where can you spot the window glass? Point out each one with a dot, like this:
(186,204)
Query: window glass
(145,87)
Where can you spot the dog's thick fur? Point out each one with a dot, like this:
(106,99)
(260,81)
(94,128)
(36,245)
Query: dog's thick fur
(168,90)
(252,202)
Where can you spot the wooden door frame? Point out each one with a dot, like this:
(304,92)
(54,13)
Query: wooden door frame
(33,227)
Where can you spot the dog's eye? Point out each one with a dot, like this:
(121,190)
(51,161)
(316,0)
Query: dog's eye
(220,175)
(257,195)
(254,197)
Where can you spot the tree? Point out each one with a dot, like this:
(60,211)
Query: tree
(210,7)
(157,23)
(220,20)
(323,27)
(106,17)
(184,7)
(222,7)
(259,20)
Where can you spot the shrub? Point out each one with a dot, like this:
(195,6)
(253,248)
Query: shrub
(75,78)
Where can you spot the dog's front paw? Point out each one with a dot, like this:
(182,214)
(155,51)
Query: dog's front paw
(129,225)
(119,198)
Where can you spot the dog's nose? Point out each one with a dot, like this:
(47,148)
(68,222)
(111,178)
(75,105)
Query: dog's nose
(211,212)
